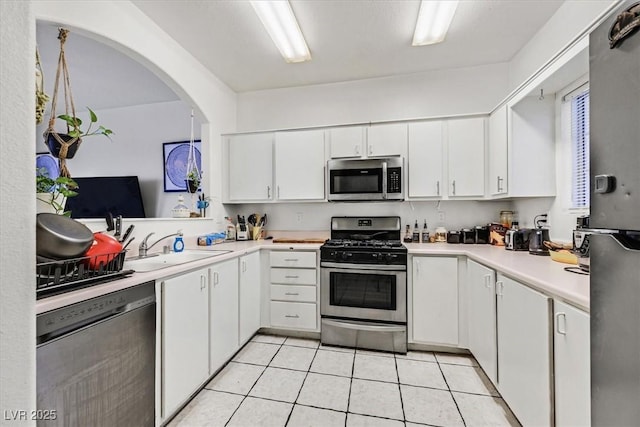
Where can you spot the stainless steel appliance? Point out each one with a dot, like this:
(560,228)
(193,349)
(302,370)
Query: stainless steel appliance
(363,284)
(538,236)
(517,240)
(365,179)
(614,80)
(96,360)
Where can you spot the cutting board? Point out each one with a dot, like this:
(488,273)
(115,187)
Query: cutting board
(290,240)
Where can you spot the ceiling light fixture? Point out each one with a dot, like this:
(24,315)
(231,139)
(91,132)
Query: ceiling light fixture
(433,23)
(280,22)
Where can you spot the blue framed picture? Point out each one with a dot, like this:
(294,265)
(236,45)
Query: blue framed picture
(176,155)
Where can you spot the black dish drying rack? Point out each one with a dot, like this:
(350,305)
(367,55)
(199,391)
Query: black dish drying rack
(59,276)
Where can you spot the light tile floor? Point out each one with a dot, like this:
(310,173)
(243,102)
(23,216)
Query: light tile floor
(278,381)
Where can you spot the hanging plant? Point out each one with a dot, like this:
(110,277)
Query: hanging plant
(194,175)
(41,97)
(64,145)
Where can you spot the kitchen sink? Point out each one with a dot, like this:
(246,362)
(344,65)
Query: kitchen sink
(156,262)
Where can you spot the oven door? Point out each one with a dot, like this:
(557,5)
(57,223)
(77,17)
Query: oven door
(363,292)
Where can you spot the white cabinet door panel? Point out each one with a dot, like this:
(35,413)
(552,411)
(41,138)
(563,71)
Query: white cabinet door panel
(251,167)
(292,259)
(435,300)
(498,178)
(249,296)
(346,142)
(387,140)
(466,157)
(300,164)
(296,315)
(424,161)
(223,305)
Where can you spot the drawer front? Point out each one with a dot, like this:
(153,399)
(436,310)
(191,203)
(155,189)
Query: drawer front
(293,259)
(293,276)
(293,293)
(298,315)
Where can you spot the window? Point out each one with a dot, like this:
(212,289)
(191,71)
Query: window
(580,150)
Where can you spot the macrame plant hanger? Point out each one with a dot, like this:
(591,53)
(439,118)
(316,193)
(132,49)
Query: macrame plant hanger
(68,102)
(192,164)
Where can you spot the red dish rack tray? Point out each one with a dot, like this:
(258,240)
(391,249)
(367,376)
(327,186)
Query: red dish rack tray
(57,276)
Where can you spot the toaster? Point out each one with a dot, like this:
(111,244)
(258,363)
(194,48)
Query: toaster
(517,240)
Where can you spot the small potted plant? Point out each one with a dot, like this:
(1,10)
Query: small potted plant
(193,180)
(51,194)
(54,140)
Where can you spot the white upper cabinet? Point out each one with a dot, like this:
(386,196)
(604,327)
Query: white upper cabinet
(383,140)
(498,178)
(386,140)
(299,165)
(424,160)
(466,157)
(250,167)
(347,142)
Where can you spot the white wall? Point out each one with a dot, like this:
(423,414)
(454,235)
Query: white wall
(434,93)
(135,149)
(317,216)
(17,211)
(571,19)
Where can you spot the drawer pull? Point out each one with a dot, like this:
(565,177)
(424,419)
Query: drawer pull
(291,277)
(294,316)
(291,259)
(291,293)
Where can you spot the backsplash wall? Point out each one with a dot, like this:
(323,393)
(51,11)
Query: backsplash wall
(317,216)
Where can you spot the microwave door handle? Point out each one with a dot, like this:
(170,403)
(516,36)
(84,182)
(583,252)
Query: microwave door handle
(384,179)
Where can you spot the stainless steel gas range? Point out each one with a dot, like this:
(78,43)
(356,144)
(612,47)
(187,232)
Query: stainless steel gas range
(363,284)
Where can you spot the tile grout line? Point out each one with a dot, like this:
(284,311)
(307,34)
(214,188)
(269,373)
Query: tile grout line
(353,367)
(404,415)
(302,385)
(450,392)
(256,381)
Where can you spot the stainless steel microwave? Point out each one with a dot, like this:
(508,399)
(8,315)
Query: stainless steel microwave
(365,179)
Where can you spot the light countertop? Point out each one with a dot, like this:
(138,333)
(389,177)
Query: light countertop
(538,272)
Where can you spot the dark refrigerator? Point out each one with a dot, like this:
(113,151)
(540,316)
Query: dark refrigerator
(614,80)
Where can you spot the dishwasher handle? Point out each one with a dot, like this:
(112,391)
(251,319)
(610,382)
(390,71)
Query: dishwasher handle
(66,320)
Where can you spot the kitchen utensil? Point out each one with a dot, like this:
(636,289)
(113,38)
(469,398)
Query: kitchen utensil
(103,250)
(128,242)
(118,226)
(60,237)
(127,233)
(252,219)
(109,219)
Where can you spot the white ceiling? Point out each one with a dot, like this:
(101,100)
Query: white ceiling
(348,39)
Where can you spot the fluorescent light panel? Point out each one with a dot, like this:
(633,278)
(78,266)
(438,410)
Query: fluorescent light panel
(433,23)
(277,17)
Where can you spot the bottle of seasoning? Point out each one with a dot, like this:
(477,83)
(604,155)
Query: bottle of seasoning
(407,234)
(425,233)
(416,233)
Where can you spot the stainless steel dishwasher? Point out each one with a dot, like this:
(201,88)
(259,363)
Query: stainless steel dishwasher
(96,361)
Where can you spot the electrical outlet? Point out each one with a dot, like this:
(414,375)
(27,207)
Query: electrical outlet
(441,216)
(299,217)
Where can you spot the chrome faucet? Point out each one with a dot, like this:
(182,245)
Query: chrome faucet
(143,247)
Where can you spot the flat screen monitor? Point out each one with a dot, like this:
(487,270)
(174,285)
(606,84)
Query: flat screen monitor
(97,196)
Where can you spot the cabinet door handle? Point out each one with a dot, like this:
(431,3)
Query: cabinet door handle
(203,282)
(453,184)
(370,149)
(437,188)
(216,278)
(291,259)
(244,266)
(417,268)
(278,190)
(291,277)
(561,331)
(500,183)
(357,147)
(292,316)
(487,281)
(292,293)
(499,288)
(268,192)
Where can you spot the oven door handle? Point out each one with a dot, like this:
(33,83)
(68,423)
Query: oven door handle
(362,327)
(346,267)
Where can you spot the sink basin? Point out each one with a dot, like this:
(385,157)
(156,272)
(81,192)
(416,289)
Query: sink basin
(156,262)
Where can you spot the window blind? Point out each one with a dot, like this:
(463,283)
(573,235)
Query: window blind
(580,149)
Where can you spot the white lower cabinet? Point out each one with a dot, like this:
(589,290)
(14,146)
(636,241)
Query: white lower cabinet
(185,337)
(435,300)
(293,291)
(481,315)
(223,313)
(249,296)
(572,366)
(524,351)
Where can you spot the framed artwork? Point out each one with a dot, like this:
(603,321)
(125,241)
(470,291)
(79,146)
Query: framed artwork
(176,155)
(48,165)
